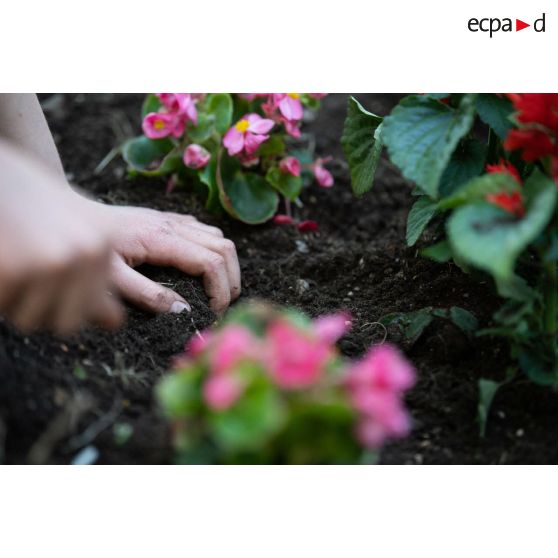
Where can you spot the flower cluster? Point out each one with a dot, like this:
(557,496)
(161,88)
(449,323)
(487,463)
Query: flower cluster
(217,139)
(271,364)
(537,135)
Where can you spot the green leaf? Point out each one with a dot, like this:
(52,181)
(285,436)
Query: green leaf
(204,128)
(492,239)
(245,196)
(478,188)
(466,162)
(220,105)
(421,134)
(362,145)
(171,162)
(538,370)
(412,324)
(439,252)
(273,146)
(496,112)
(251,422)
(141,153)
(284,182)
(420,215)
(178,393)
(487,391)
(151,103)
(208,177)
(463,319)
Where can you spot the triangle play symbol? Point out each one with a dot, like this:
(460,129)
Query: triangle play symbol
(519,25)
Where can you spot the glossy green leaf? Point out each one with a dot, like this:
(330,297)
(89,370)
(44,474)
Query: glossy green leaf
(496,111)
(284,182)
(487,391)
(220,105)
(439,252)
(151,103)
(421,135)
(420,215)
(467,162)
(362,145)
(141,153)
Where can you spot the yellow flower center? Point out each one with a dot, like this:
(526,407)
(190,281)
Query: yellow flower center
(159,124)
(242,125)
(294,95)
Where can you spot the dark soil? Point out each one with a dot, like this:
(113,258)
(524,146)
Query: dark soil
(58,396)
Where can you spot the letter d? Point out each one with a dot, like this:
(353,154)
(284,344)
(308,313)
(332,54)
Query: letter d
(542,22)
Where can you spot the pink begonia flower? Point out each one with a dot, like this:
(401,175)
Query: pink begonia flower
(232,345)
(296,359)
(247,134)
(221,392)
(181,104)
(382,367)
(332,327)
(248,160)
(308,226)
(289,105)
(290,165)
(283,219)
(322,175)
(199,343)
(376,384)
(195,156)
(158,125)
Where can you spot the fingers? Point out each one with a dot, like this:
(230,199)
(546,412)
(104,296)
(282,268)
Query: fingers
(221,246)
(193,259)
(144,292)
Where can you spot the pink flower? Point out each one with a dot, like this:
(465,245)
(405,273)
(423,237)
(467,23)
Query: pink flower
(289,105)
(383,367)
(181,104)
(195,156)
(322,175)
(158,125)
(376,385)
(290,165)
(308,226)
(332,327)
(221,392)
(247,134)
(199,343)
(296,359)
(283,219)
(233,344)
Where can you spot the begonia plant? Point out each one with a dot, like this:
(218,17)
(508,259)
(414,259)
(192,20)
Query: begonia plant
(243,151)
(268,385)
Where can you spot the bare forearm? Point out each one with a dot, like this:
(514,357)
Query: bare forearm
(23,123)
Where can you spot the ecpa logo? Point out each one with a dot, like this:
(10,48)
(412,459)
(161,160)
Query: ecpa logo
(494,24)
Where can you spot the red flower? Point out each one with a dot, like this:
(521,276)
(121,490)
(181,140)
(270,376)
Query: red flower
(308,226)
(537,108)
(504,167)
(534,143)
(510,202)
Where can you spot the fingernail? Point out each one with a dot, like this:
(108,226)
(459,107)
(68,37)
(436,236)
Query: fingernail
(179,306)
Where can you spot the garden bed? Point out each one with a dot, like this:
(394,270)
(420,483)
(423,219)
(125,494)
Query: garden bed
(60,395)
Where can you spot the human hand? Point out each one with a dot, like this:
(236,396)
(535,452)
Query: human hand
(54,256)
(142,235)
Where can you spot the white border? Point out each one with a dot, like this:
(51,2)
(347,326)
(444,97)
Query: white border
(278,512)
(251,45)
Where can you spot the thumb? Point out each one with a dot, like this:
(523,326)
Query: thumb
(145,293)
